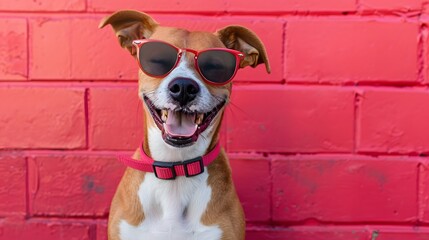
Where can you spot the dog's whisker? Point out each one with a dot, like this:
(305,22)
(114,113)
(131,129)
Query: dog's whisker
(232,106)
(204,138)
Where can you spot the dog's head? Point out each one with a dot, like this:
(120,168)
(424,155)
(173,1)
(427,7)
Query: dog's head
(185,77)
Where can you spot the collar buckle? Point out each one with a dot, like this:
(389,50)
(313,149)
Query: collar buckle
(164,170)
(193,167)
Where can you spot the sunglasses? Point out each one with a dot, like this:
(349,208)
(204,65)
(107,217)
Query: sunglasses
(216,66)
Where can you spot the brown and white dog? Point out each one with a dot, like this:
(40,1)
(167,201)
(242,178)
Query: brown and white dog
(204,206)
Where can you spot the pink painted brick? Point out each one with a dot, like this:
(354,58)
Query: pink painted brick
(102,231)
(77,50)
(308,233)
(158,6)
(51,229)
(424,191)
(13,48)
(345,189)
(39,117)
(347,51)
(401,5)
(115,112)
(223,134)
(290,119)
(72,185)
(13,185)
(393,121)
(42,6)
(425,45)
(291,6)
(251,176)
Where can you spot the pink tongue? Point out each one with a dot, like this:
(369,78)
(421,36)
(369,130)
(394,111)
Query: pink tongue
(180,125)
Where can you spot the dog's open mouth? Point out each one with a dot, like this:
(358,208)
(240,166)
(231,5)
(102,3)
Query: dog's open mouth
(180,128)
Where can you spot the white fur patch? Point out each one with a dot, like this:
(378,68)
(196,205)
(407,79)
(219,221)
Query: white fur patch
(173,210)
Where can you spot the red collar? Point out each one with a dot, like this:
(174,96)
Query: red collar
(169,170)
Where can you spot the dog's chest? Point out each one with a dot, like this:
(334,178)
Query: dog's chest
(173,210)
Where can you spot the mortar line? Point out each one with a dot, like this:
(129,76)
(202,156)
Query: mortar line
(107,152)
(270,165)
(420,53)
(94,219)
(87,120)
(284,54)
(27,188)
(421,50)
(357,101)
(358,6)
(85,9)
(226,13)
(82,83)
(28,47)
(419,213)
(93,231)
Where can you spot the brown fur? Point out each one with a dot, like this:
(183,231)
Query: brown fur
(224,208)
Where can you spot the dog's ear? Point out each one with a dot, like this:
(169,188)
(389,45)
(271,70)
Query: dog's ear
(245,41)
(130,25)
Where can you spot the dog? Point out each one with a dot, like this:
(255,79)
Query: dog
(178,183)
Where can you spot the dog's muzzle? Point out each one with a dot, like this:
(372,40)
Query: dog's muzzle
(181,128)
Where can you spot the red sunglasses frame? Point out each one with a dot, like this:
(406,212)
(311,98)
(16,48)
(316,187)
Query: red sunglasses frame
(237,54)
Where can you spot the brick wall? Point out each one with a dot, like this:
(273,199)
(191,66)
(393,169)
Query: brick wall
(332,145)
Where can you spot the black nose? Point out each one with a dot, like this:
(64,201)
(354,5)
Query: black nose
(183,90)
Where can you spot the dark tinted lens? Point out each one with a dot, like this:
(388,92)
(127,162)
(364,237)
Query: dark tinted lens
(157,58)
(216,65)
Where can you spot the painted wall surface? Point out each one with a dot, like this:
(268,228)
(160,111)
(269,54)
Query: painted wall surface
(332,145)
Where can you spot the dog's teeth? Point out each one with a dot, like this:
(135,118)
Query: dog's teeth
(164,115)
(199,118)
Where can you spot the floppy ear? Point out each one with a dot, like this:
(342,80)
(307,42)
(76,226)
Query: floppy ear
(245,41)
(130,25)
